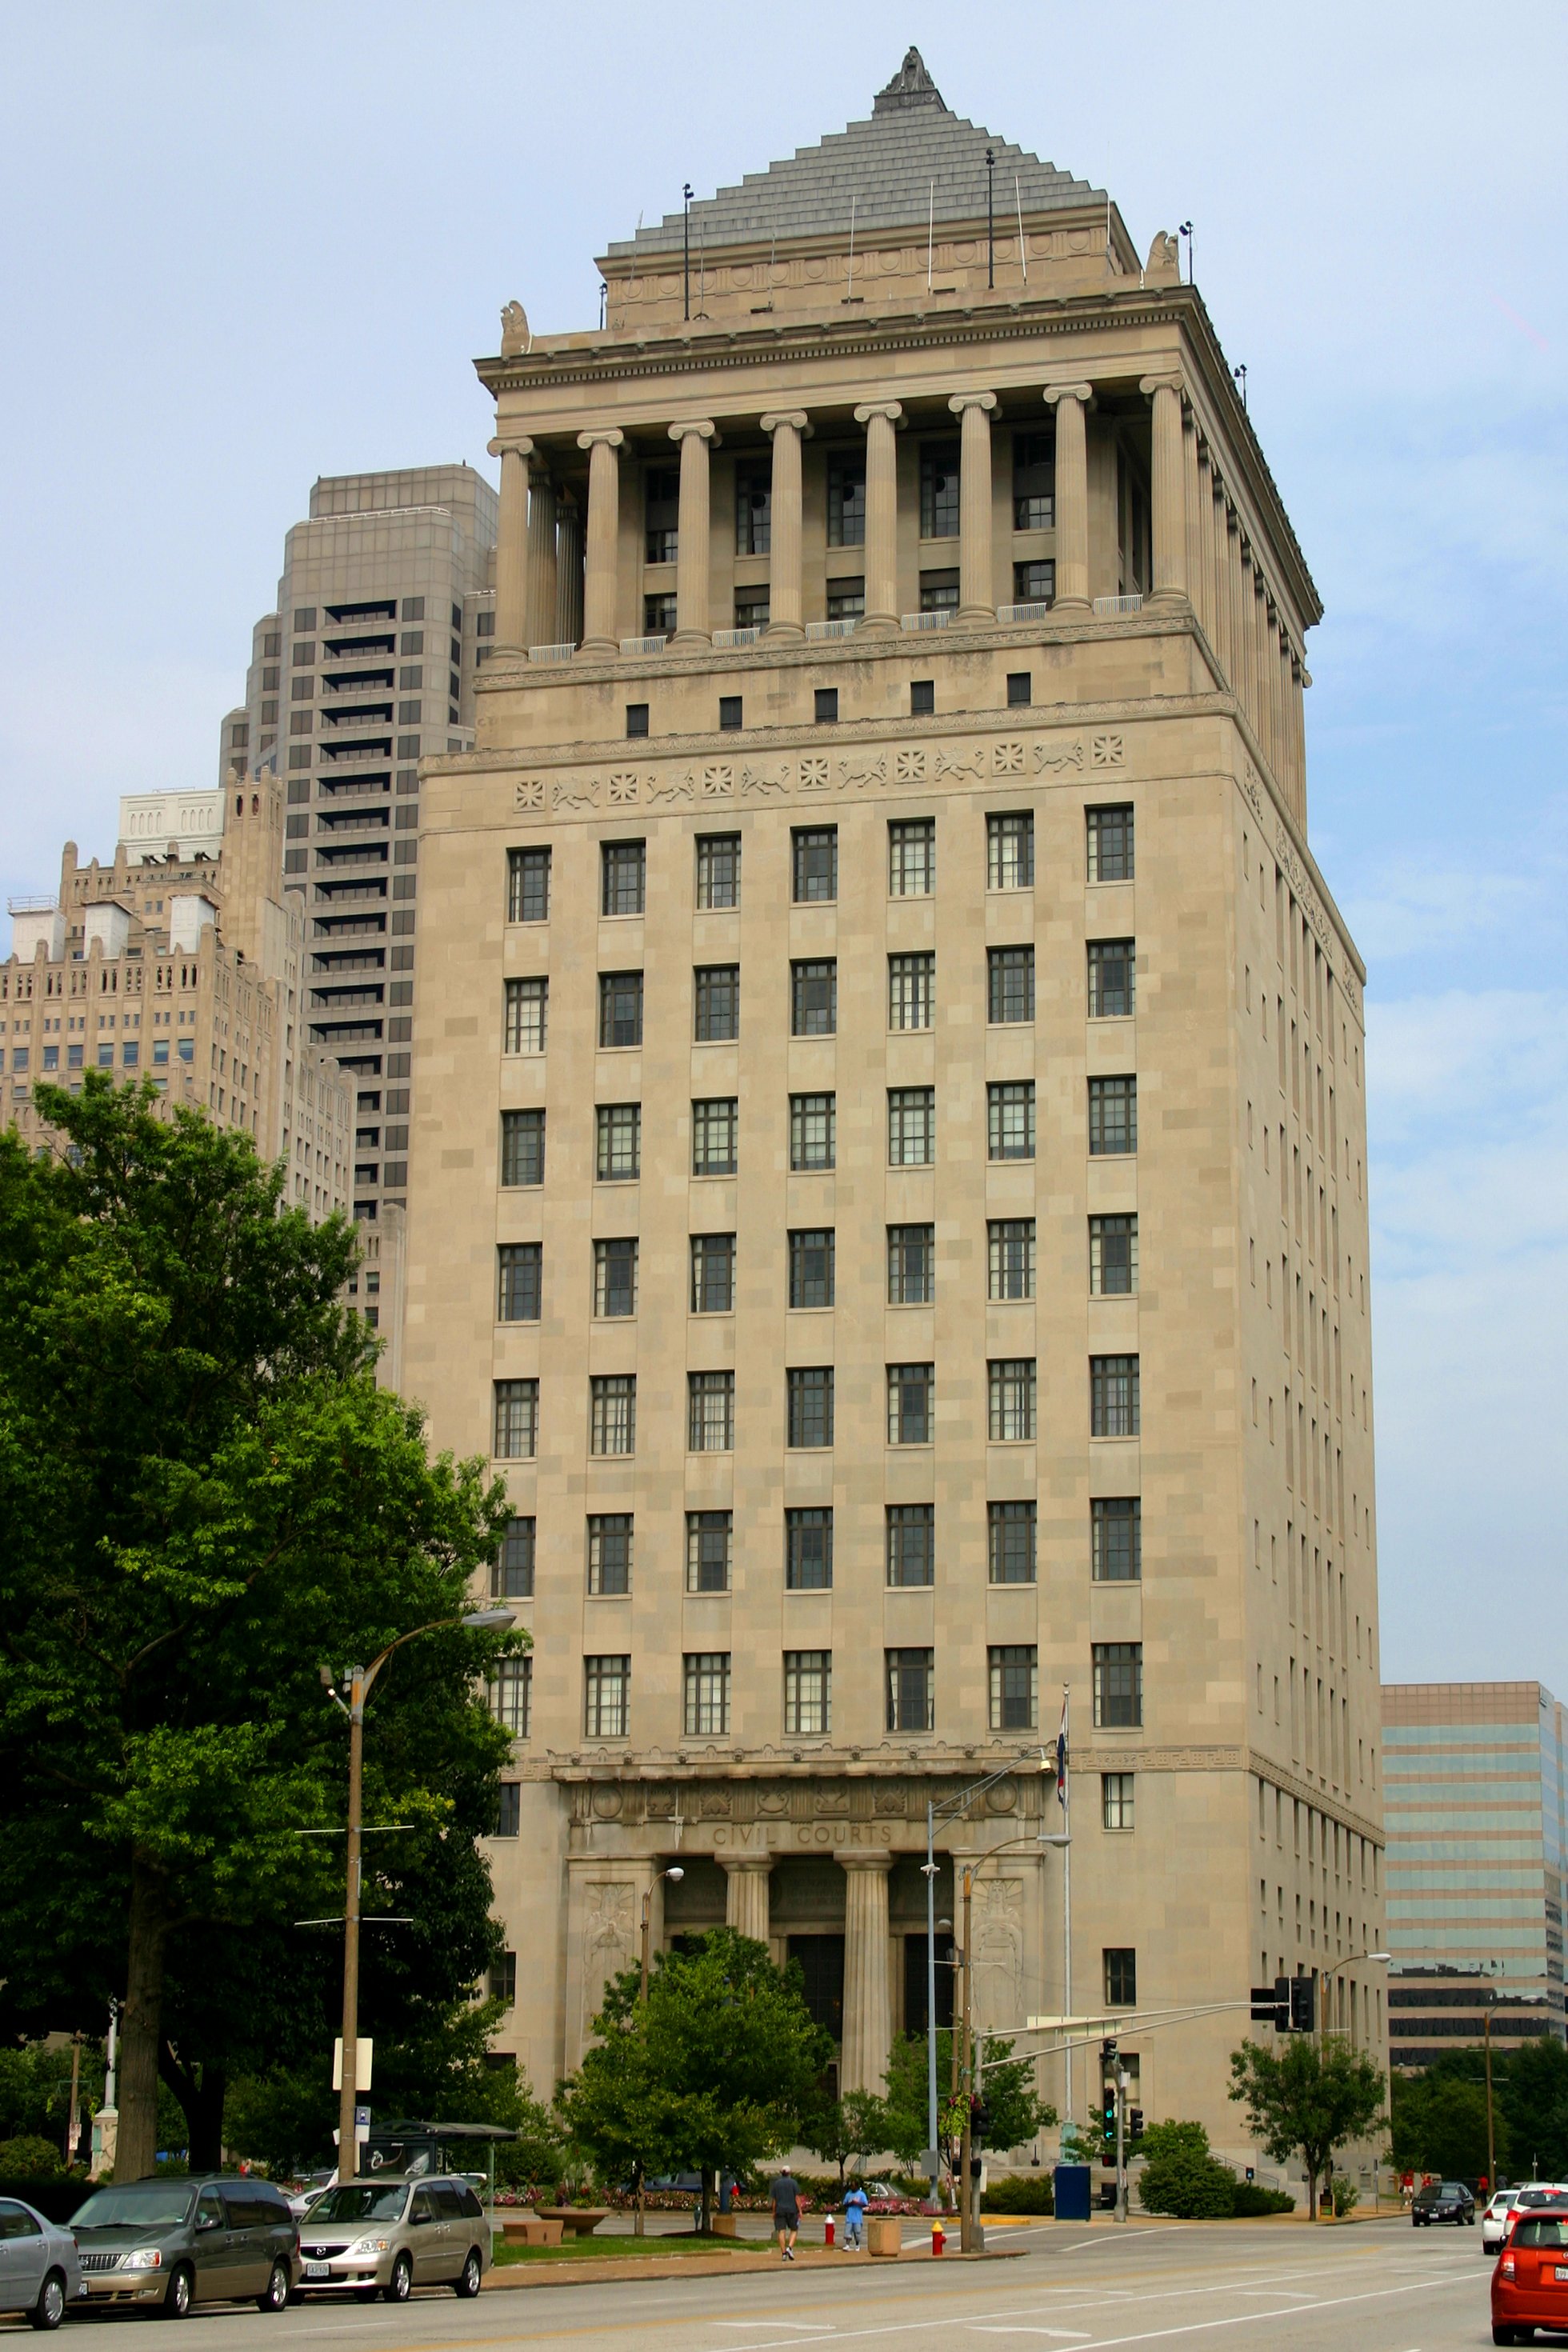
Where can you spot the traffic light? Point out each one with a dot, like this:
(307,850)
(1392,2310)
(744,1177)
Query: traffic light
(1303,2004)
(1271,2004)
(1135,2123)
(979,2120)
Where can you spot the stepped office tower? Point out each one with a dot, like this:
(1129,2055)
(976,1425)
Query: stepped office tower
(888,1170)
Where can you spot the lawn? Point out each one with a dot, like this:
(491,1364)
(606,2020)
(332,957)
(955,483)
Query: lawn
(600,2247)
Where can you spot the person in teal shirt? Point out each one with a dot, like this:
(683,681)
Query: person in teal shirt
(854,2216)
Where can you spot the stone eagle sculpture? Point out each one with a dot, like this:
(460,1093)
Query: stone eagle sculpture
(515,335)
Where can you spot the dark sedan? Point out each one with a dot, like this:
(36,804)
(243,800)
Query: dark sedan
(1442,2201)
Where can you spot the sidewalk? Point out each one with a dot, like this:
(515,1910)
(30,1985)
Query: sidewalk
(604,2267)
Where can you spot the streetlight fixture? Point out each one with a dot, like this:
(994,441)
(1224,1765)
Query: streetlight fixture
(675,1874)
(357,1682)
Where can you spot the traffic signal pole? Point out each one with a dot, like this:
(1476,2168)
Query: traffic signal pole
(1122,2079)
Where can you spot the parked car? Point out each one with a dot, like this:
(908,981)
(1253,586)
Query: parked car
(1529,2284)
(1445,2200)
(299,2201)
(388,2236)
(39,2271)
(1498,2208)
(175,2242)
(1540,2197)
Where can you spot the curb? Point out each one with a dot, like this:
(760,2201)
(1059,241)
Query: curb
(634,2267)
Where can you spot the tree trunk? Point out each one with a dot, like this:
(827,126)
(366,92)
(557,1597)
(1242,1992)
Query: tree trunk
(136,2145)
(1312,2194)
(705,2209)
(201,2101)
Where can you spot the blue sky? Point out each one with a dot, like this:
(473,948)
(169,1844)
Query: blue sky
(244,247)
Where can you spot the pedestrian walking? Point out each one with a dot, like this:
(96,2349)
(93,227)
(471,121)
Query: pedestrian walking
(854,2216)
(786,2212)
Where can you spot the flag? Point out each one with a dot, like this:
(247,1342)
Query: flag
(1062,1755)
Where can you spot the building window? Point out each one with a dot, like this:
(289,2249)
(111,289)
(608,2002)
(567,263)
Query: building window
(808,1692)
(624,877)
(911,1543)
(711,1413)
(615,1277)
(510,1691)
(911,990)
(712,1274)
(503,1971)
(607,1685)
(939,592)
(1010,973)
(911,1690)
(1110,844)
(753,610)
(715,1125)
(912,1127)
(618,1142)
(1010,851)
(1011,1273)
(527,1005)
(1111,982)
(528,886)
(912,1404)
(824,706)
(923,697)
(523,1147)
(661,512)
(718,870)
(754,509)
(814,997)
(1011,1392)
(1034,583)
(808,1550)
(1116,1801)
(911,1265)
(912,855)
(813,1131)
(811,1254)
(705,1681)
(709,1541)
(809,1391)
(1116,1539)
(939,490)
(1113,1396)
(847,600)
(1020,689)
(730,705)
(847,502)
(1113,1117)
(511,1570)
(509,1823)
(1034,481)
(620,1008)
(613,1412)
(1112,1256)
(1010,1533)
(815,863)
(637,716)
(1014,1687)
(516,1420)
(1118,1685)
(519,1264)
(1121,1977)
(1010,1120)
(610,1552)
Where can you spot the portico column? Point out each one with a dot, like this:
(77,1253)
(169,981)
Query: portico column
(604,535)
(1193,494)
(784,528)
(511,545)
(976,589)
(868,2022)
(880,417)
(694,557)
(1070,402)
(568,571)
(1169,498)
(746,1895)
(541,565)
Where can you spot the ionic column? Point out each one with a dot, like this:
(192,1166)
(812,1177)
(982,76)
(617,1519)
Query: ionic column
(1287,724)
(977,588)
(880,417)
(604,537)
(1070,402)
(746,1895)
(542,574)
(693,555)
(1193,496)
(1168,502)
(868,2021)
(1219,569)
(784,529)
(568,571)
(511,545)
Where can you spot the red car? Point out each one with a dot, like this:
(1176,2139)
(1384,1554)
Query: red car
(1529,2284)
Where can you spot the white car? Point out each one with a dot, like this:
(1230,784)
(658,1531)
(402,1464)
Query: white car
(1494,2221)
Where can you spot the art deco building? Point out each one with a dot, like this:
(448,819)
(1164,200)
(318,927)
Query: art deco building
(888,1170)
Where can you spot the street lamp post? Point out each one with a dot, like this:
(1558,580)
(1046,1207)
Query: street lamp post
(358,1680)
(675,1874)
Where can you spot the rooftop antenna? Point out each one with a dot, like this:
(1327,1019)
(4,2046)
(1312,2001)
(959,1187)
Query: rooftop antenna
(1023,250)
(991,217)
(1240,375)
(1187,230)
(931,235)
(686,248)
(849,293)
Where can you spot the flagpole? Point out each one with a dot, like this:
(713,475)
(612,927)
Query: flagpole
(1064,1793)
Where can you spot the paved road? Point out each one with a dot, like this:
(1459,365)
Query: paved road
(1376,2287)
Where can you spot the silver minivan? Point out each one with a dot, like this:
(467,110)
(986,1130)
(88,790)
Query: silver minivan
(388,2236)
(175,2242)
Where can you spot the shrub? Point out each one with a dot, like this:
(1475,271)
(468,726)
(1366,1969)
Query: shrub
(1021,2192)
(1346,2196)
(1252,2202)
(30,2157)
(1181,2177)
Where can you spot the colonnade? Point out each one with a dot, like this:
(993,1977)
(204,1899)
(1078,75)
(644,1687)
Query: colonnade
(868,2016)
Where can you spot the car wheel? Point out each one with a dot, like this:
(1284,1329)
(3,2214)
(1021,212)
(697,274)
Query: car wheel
(398,2286)
(50,2308)
(176,2302)
(277,2295)
(470,2278)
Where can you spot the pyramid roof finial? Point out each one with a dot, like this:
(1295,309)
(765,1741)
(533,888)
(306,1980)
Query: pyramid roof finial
(910,86)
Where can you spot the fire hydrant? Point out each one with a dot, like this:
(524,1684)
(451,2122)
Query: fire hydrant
(938,2239)
(827,2232)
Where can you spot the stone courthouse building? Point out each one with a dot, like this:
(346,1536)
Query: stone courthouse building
(888,1179)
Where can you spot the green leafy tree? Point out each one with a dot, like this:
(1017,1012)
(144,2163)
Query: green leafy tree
(1531,2088)
(1016,2114)
(1180,2177)
(839,2130)
(1306,2099)
(206,1497)
(1440,2123)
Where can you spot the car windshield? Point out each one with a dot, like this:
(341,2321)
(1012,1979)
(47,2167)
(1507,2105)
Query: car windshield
(360,2200)
(149,2205)
(1541,2229)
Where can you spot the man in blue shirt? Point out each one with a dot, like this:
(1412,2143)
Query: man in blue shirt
(854,2216)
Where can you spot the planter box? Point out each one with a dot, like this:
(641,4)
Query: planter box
(580,2221)
(530,2232)
(884,2235)
(725,2225)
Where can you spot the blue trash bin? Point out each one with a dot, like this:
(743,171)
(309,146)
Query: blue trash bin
(1073,2192)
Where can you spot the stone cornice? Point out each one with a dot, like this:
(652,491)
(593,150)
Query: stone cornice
(1333,1808)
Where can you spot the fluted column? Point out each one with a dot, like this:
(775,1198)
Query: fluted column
(511,545)
(568,571)
(783,528)
(1168,501)
(603,539)
(1070,402)
(977,588)
(1193,494)
(542,574)
(868,2021)
(693,555)
(1219,569)
(880,418)
(746,1895)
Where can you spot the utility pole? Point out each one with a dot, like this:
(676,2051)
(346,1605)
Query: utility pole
(347,2146)
(1491,2142)
(966,2082)
(73,2120)
(1123,2084)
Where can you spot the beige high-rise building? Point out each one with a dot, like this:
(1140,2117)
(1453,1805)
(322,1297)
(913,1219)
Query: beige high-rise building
(888,1131)
(385,611)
